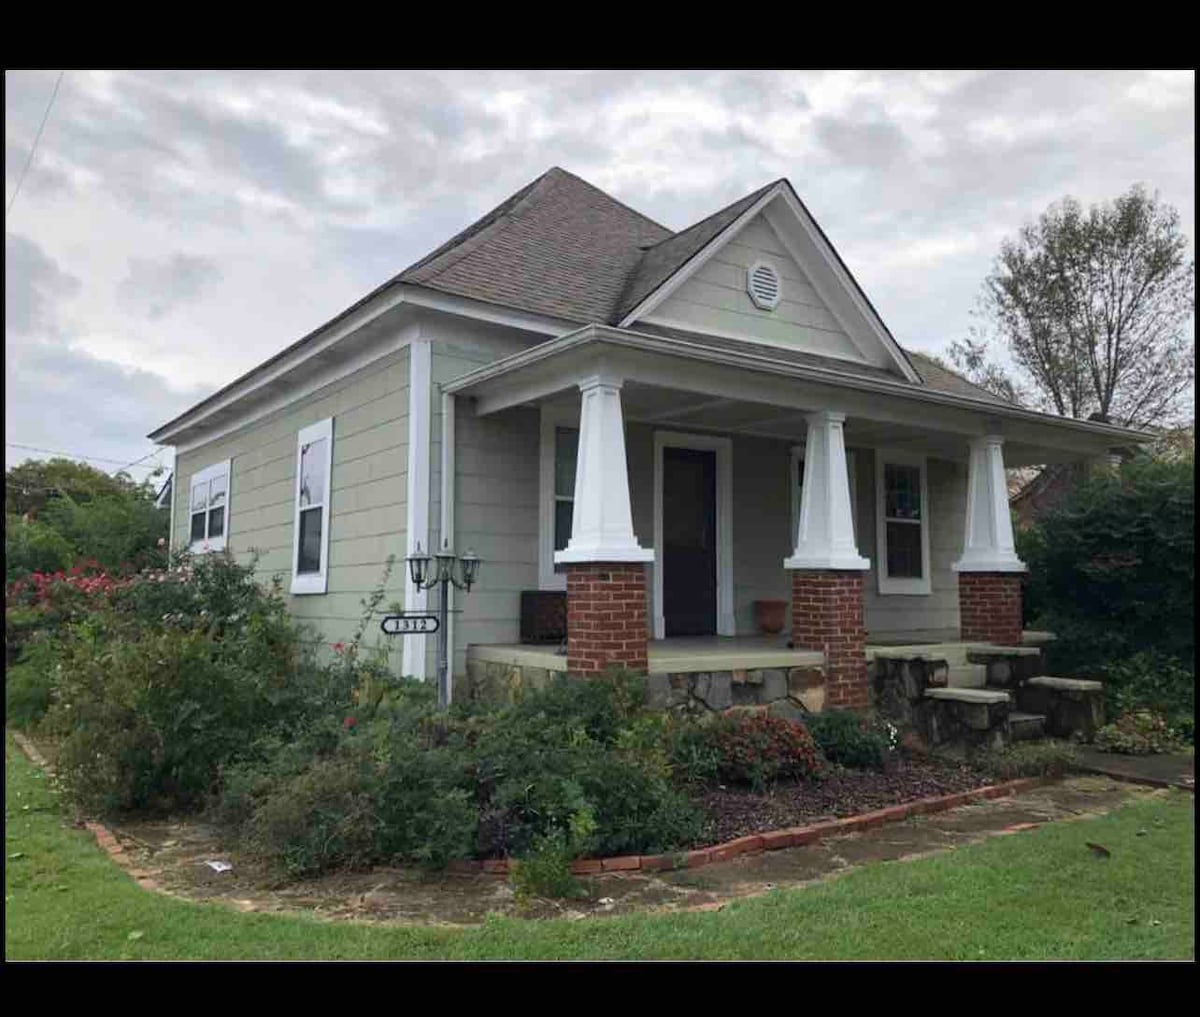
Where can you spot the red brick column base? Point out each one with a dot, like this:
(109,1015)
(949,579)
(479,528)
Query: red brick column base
(606,617)
(989,605)
(827,615)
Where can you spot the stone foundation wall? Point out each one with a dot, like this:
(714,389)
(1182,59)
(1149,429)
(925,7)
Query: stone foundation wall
(782,692)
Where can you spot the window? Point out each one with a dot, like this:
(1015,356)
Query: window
(208,512)
(559,452)
(797,486)
(902,502)
(314,455)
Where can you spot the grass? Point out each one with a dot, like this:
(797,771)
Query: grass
(1035,895)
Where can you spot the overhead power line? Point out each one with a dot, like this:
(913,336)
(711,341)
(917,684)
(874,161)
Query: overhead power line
(33,148)
(94,459)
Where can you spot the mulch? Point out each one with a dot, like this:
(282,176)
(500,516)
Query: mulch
(738,812)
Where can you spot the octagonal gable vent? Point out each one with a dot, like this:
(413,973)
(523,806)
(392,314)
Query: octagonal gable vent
(764,285)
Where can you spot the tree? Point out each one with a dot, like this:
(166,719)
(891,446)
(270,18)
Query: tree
(1092,308)
(58,512)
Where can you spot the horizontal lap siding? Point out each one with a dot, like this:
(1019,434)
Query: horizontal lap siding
(715,299)
(762,512)
(368,490)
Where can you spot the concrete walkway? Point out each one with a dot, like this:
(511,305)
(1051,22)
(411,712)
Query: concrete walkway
(1167,770)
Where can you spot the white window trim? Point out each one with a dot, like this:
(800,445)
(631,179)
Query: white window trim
(313,582)
(851,470)
(888,585)
(203,477)
(553,417)
(726,623)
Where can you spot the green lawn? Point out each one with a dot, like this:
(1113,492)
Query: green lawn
(1035,895)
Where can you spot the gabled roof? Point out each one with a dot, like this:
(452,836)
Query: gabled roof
(937,375)
(665,258)
(559,246)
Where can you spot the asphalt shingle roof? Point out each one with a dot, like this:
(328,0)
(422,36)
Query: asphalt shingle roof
(562,247)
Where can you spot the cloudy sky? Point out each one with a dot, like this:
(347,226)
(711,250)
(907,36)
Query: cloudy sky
(176,228)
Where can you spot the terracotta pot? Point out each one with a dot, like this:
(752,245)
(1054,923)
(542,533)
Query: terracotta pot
(770,615)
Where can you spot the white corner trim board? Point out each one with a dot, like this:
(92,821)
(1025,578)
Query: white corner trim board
(449,408)
(313,581)
(420,407)
(825,529)
(602,520)
(988,544)
(726,624)
(202,487)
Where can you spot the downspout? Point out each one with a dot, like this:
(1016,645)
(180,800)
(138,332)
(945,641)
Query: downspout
(447,525)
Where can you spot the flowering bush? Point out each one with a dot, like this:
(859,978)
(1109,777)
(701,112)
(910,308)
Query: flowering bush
(1139,733)
(851,739)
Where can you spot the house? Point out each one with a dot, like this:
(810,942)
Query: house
(668,428)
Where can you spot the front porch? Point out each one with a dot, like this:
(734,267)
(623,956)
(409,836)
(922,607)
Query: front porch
(681,486)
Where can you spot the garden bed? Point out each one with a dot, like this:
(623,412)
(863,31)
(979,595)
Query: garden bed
(739,812)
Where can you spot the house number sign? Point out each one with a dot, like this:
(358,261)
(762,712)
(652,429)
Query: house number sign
(409,624)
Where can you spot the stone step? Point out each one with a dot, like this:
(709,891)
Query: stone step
(967,676)
(960,695)
(1026,727)
(1071,706)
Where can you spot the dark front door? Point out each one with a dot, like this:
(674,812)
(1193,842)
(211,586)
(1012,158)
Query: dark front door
(689,542)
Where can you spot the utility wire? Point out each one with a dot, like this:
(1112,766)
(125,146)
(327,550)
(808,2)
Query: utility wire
(75,455)
(33,148)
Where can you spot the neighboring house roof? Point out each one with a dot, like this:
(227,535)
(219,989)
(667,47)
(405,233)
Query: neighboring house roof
(558,246)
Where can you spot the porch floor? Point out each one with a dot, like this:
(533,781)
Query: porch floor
(689,654)
(674,656)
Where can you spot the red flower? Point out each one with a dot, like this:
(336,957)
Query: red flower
(348,723)
(338,647)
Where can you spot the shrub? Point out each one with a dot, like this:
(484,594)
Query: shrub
(1049,758)
(150,704)
(26,694)
(757,749)
(851,739)
(1151,681)
(1139,733)
(1112,569)
(32,546)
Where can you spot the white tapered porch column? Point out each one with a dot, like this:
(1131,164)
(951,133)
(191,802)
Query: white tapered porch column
(825,535)
(827,570)
(989,571)
(602,522)
(988,544)
(606,569)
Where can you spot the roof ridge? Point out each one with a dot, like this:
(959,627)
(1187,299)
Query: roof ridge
(503,211)
(720,211)
(615,201)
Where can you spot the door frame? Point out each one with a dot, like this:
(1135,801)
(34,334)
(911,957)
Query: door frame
(723,447)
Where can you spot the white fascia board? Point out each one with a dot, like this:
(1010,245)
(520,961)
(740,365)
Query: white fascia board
(322,341)
(751,360)
(697,260)
(847,282)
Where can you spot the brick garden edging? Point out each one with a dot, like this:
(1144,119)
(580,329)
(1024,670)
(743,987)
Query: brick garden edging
(772,840)
(102,833)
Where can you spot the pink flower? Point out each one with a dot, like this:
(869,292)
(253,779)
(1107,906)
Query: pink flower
(339,647)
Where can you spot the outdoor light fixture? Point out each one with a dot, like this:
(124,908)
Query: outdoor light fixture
(418,567)
(445,564)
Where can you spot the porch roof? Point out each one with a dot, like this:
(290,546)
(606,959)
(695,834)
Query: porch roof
(727,386)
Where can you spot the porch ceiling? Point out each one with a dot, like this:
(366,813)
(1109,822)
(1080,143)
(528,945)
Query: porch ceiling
(690,387)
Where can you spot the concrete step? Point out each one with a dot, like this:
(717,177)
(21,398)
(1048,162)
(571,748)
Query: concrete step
(960,695)
(1026,727)
(967,676)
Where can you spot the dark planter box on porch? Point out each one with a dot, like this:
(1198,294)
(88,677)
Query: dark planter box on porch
(543,616)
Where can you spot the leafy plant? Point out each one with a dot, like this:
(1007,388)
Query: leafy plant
(1049,758)
(757,749)
(1138,733)
(1151,681)
(851,739)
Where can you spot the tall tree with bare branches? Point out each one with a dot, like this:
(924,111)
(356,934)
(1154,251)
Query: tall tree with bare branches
(1092,308)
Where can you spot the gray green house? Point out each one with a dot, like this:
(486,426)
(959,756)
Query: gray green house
(671,436)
